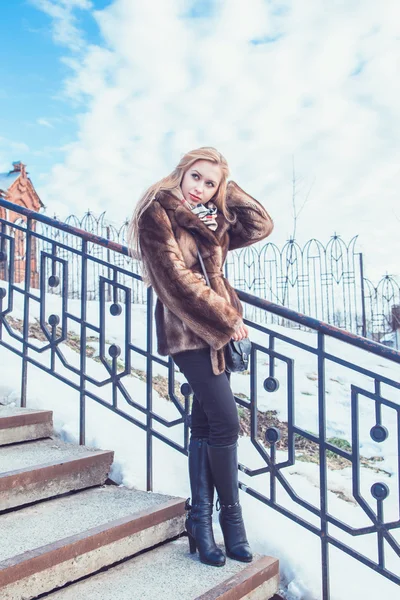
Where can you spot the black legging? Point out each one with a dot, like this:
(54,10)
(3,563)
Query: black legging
(214,411)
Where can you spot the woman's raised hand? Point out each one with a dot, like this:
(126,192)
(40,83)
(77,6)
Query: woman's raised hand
(241,332)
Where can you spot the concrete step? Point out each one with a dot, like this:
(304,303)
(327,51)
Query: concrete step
(47,545)
(35,470)
(24,424)
(169,571)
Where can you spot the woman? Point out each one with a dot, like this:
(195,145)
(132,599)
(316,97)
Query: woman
(195,321)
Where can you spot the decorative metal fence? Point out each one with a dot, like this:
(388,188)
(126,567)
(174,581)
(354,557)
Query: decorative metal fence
(323,281)
(371,396)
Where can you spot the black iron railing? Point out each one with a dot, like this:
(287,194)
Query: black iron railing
(325,281)
(371,387)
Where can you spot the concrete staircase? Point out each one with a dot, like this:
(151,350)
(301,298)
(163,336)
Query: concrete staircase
(67,535)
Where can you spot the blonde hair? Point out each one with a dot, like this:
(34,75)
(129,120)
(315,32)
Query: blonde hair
(172,183)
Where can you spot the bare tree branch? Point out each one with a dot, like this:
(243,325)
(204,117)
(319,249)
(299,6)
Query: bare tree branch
(296,213)
(396,215)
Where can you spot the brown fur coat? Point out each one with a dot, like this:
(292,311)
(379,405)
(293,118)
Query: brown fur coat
(189,314)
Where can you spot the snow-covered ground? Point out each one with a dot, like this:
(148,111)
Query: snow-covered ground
(268,531)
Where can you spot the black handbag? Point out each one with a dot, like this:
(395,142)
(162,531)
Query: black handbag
(237,354)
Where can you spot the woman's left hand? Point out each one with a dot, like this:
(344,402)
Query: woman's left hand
(240,333)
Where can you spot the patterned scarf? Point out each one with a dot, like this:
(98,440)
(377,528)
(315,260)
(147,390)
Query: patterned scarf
(210,218)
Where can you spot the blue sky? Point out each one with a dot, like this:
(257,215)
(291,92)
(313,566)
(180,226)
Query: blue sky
(101,98)
(33,110)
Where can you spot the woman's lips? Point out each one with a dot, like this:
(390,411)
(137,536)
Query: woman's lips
(194,197)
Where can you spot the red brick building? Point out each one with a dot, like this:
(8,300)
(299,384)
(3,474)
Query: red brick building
(16,187)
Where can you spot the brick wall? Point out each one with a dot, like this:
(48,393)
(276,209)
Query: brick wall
(22,192)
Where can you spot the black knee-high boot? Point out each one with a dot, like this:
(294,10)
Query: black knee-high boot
(224,468)
(198,521)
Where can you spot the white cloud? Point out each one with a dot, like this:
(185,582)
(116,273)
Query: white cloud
(11,149)
(326,92)
(65,28)
(44,122)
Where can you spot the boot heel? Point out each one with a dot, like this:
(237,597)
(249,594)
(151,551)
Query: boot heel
(192,544)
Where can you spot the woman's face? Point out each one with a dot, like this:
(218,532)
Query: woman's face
(201,182)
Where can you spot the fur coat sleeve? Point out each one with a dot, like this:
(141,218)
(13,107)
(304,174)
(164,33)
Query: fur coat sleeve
(183,292)
(253,222)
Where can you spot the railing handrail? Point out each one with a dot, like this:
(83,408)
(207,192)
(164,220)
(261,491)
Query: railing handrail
(330,330)
(282,311)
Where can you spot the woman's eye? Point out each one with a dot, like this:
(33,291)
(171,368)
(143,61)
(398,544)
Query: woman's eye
(210,183)
(195,175)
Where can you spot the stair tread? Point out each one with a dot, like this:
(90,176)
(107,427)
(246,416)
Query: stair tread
(166,570)
(11,411)
(59,518)
(30,454)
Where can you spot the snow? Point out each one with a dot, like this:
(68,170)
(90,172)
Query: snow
(269,532)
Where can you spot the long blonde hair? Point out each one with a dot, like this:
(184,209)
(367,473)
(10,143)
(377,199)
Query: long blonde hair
(172,183)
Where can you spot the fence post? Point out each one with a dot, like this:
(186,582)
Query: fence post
(3,254)
(226,270)
(364,316)
(109,270)
(396,324)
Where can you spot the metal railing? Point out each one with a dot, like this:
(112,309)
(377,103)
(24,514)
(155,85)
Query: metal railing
(278,353)
(325,281)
